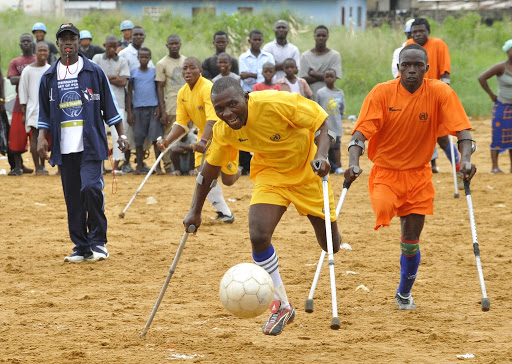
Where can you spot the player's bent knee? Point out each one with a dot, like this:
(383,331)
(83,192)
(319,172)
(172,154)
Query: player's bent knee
(409,247)
(229,179)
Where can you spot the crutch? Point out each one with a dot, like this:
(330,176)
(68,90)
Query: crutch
(335,322)
(309,302)
(486,303)
(121,214)
(456,194)
(191,229)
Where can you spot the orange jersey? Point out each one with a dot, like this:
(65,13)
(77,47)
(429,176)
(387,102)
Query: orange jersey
(438,57)
(402,128)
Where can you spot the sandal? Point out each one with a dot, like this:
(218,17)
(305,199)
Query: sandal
(175,173)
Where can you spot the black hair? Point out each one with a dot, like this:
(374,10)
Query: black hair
(144,49)
(416,47)
(224,55)
(321,27)
(421,21)
(224,83)
(219,32)
(287,60)
(331,70)
(174,36)
(111,38)
(43,43)
(255,31)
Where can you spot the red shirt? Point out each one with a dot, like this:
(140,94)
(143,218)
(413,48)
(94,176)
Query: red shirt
(16,66)
(262,87)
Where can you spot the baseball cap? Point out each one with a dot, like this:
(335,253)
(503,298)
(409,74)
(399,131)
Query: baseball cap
(67,27)
(85,34)
(508,44)
(408,25)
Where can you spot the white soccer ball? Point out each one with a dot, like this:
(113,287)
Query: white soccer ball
(246,290)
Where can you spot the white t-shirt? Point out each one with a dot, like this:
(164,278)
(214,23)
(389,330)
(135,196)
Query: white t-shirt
(29,93)
(294,87)
(71,108)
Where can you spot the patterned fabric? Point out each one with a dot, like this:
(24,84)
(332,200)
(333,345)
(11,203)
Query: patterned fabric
(501,126)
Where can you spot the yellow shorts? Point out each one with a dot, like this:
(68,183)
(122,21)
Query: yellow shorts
(400,193)
(231,168)
(308,199)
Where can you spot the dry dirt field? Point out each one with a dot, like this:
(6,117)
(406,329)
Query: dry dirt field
(56,312)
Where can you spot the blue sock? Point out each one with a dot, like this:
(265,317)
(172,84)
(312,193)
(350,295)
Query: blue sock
(449,155)
(408,271)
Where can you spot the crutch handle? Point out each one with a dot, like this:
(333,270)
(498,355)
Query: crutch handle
(191,228)
(347,184)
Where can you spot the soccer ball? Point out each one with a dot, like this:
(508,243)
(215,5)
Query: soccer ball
(246,290)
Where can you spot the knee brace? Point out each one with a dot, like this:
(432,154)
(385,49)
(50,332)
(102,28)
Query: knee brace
(200,180)
(409,247)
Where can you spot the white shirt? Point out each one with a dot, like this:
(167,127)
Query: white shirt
(130,54)
(247,62)
(396,55)
(29,93)
(71,108)
(281,53)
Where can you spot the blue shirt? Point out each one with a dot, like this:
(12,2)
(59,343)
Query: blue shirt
(144,87)
(247,62)
(99,107)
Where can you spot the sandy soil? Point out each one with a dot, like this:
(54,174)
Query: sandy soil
(93,312)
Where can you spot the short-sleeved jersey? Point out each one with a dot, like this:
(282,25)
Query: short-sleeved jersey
(279,131)
(196,105)
(438,57)
(402,128)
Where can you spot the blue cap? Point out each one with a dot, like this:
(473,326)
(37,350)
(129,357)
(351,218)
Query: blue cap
(39,26)
(508,44)
(126,24)
(85,34)
(408,26)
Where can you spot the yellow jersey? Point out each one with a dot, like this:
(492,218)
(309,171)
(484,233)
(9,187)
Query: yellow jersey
(196,105)
(279,131)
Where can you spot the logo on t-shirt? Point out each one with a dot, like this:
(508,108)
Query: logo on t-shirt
(393,109)
(89,95)
(275,138)
(71,104)
(200,108)
(242,140)
(423,116)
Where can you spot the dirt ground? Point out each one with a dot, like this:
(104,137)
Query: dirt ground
(56,312)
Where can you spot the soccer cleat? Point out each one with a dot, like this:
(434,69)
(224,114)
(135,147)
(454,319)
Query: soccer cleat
(460,181)
(77,257)
(404,303)
(279,318)
(99,252)
(224,218)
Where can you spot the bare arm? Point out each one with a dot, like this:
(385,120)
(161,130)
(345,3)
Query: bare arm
(129,97)
(323,142)
(354,153)
(245,75)
(496,70)
(465,148)
(117,81)
(161,102)
(209,173)
(15,80)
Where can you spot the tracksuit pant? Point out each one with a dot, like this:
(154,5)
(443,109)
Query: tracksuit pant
(82,183)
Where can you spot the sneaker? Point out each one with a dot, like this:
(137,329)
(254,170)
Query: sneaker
(460,180)
(15,172)
(77,257)
(339,171)
(99,252)
(224,218)
(126,168)
(404,303)
(435,169)
(279,318)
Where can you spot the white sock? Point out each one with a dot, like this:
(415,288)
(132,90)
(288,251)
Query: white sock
(217,200)
(271,265)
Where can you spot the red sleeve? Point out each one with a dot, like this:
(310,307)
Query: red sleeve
(259,87)
(12,71)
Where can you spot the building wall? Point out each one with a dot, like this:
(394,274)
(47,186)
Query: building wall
(315,12)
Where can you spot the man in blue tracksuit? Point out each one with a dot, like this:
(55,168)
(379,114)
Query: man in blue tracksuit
(75,100)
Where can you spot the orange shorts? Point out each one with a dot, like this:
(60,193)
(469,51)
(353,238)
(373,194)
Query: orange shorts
(400,193)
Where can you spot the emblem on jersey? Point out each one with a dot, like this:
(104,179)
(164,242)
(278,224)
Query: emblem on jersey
(423,116)
(242,140)
(393,109)
(275,137)
(200,108)
(89,95)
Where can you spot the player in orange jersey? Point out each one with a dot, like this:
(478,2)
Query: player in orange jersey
(401,119)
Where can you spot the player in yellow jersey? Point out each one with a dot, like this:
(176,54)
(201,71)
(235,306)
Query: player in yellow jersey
(194,104)
(280,129)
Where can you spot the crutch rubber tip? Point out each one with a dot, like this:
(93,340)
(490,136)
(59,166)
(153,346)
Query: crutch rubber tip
(121,215)
(456,195)
(142,335)
(308,306)
(486,304)
(335,323)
